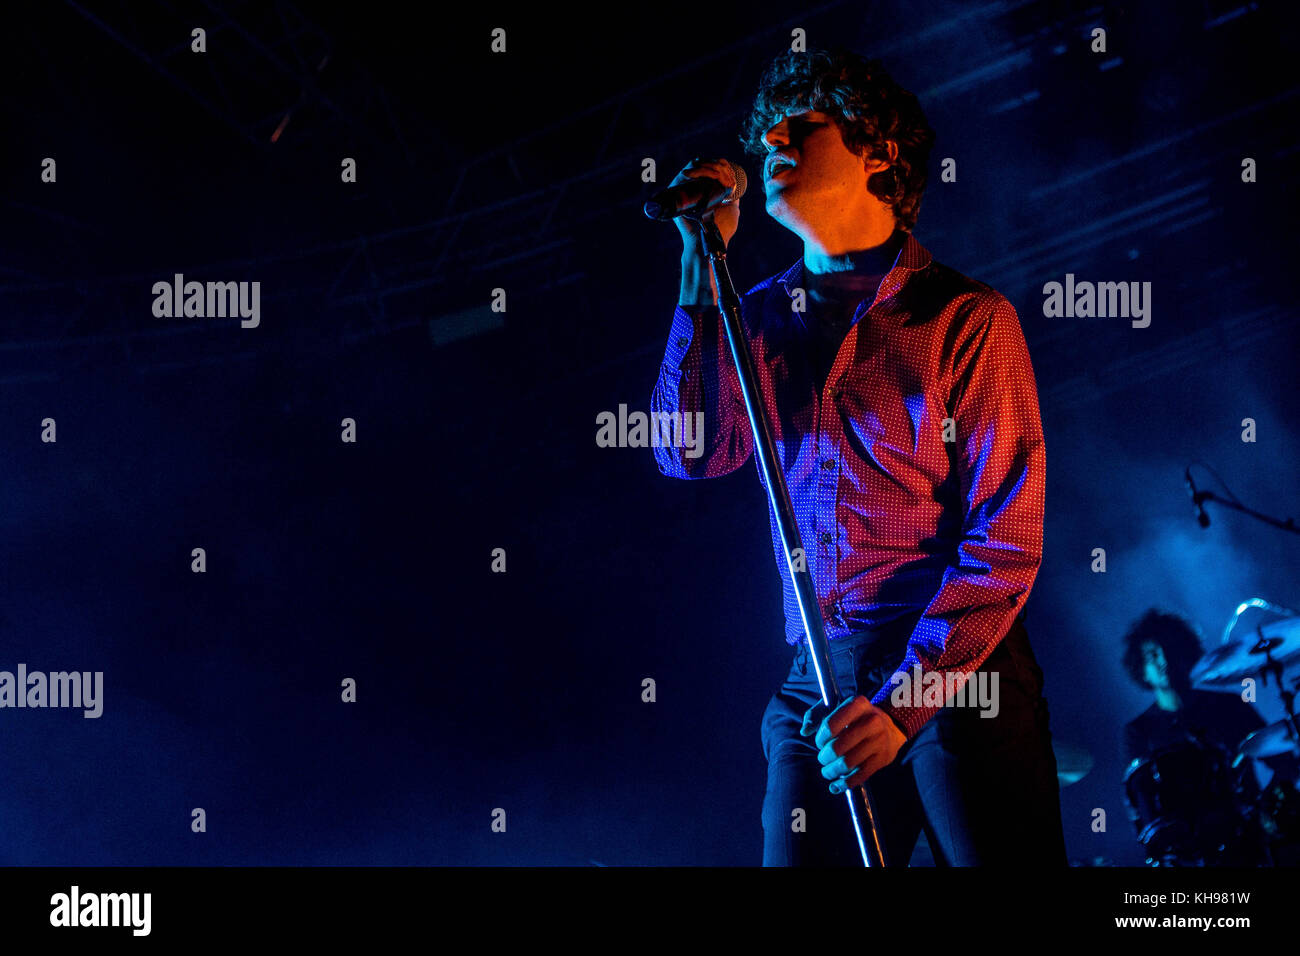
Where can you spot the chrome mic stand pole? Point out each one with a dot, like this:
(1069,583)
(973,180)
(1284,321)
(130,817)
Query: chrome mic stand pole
(864,820)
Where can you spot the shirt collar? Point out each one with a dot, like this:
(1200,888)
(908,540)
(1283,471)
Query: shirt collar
(912,258)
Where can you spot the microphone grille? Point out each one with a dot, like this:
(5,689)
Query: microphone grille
(742,182)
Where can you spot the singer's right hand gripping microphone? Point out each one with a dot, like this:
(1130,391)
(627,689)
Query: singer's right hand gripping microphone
(696,196)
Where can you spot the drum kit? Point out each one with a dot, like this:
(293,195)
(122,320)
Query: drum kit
(1199,804)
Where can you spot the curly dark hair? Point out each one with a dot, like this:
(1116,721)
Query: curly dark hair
(1177,639)
(867,106)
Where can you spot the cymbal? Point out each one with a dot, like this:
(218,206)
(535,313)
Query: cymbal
(1269,741)
(1223,668)
(1072,762)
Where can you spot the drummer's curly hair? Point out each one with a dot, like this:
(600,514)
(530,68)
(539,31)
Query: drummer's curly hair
(1177,638)
(867,105)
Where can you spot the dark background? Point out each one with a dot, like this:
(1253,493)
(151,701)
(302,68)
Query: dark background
(476,430)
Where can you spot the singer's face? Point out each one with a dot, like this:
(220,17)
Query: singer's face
(828,181)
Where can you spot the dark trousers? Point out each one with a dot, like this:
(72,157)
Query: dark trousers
(984,789)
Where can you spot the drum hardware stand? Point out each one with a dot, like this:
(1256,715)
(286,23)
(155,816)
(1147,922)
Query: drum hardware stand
(1274,667)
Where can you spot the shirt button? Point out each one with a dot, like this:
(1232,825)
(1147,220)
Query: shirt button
(683,343)
(825,537)
(828,463)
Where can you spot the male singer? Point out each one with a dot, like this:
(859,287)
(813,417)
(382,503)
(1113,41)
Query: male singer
(905,415)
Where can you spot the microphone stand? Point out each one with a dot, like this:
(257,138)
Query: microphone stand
(1285,525)
(864,819)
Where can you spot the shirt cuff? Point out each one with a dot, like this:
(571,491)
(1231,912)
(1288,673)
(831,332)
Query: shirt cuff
(909,718)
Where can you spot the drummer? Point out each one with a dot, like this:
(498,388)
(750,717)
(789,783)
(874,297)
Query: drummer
(1159,652)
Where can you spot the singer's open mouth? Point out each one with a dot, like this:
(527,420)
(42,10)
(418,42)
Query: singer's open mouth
(777,164)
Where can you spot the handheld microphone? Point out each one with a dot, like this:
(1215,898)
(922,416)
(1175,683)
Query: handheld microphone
(695,196)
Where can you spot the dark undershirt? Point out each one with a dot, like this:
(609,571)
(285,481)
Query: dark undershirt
(833,297)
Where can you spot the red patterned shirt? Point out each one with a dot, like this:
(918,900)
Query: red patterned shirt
(917,473)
